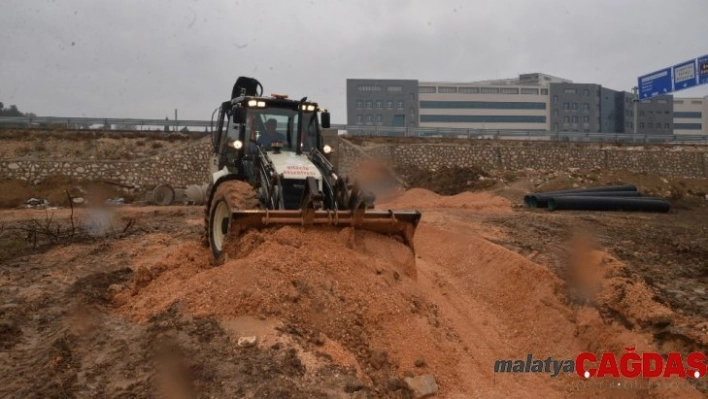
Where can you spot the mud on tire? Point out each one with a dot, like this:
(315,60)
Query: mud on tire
(227,196)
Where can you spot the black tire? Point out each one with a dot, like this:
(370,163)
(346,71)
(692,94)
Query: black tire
(218,227)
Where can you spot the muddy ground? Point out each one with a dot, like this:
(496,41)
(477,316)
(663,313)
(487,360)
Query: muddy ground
(125,303)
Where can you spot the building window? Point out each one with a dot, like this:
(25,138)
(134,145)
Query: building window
(586,119)
(586,106)
(566,119)
(678,101)
(483,118)
(379,103)
(566,105)
(661,101)
(555,126)
(667,126)
(586,92)
(369,104)
(696,115)
(427,89)
(379,118)
(412,96)
(482,105)
(369,118)
(529,91)
(575,106)
(696,102)
(490,90)
(412,110)
(468,90)
(555,99)
(394,88)
(447,89)
(389,104)
(570,91)
(509,90)
(359,104)
(688,126)
(575,119)
(544,92)
(359,119)
(369,88)
(400,104)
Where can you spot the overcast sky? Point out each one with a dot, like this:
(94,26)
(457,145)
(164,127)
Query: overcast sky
(143,59)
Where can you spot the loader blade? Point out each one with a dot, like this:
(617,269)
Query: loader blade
(389,222)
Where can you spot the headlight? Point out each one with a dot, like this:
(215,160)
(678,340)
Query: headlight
(327,149)
(237,144)
(310,107)
(252,103)
(261,103)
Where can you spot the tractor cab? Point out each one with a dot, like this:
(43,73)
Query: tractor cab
(271,140)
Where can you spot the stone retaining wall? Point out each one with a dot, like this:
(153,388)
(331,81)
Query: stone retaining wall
(500,155)
(189,164)
(178,168)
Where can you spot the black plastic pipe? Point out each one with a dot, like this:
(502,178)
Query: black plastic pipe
(625,187)
(541,200)
(587,203)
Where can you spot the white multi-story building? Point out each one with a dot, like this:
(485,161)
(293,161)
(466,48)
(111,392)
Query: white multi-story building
(506,104)
(533,101)
(691,115)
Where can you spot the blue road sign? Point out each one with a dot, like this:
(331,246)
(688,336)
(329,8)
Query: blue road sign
(655,84)
(703,69)
(685,75)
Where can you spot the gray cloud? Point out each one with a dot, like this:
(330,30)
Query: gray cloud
(144,59)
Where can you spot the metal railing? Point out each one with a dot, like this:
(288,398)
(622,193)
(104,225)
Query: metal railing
(359,130)
(93,123)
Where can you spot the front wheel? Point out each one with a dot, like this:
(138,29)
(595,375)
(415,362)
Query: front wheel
(219,227)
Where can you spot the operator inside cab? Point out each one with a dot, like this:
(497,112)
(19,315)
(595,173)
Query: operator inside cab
(270,135)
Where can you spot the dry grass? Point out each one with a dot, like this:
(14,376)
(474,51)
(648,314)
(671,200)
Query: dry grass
(85,144)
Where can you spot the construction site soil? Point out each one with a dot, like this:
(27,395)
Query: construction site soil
(134,308)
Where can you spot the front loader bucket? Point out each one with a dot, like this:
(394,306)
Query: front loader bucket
(395,223)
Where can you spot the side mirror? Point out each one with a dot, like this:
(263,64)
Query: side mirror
(239,115)
(325,120)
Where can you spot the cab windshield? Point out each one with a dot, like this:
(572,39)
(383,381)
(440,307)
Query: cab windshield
(264,126)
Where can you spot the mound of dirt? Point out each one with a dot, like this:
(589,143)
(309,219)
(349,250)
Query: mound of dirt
(446,180)
(418,198)
(350,293)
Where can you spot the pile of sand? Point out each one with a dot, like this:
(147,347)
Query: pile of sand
(357,299)
(420,198)
(351,292)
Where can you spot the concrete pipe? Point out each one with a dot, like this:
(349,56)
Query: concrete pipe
(163,195)
(195,195)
